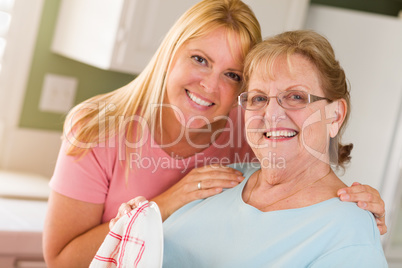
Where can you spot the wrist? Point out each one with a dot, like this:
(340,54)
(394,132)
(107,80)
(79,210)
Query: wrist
(163,206)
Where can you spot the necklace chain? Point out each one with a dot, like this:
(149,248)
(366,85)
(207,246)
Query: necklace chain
(270,204)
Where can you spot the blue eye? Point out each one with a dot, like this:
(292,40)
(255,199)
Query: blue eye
(259,99)
(296,96)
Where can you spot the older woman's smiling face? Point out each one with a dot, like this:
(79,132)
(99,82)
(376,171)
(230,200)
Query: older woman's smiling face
(295,135)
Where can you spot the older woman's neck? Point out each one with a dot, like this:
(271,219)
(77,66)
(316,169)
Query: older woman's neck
(294,175)
(291,188)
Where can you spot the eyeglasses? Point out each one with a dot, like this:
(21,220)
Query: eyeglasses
(290,100)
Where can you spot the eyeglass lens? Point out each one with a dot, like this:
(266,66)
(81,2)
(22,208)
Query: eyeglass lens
(292,99)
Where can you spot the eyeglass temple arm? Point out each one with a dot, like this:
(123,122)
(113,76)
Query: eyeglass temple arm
(313,98)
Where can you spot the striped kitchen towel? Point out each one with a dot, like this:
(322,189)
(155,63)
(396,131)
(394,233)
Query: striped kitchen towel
(136,240)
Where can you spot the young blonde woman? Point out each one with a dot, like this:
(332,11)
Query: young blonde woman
(154,136)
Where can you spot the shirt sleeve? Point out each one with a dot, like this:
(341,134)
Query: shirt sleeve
(83,178)
(352,256)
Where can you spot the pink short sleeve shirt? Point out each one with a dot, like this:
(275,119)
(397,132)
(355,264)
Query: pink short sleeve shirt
(100,175)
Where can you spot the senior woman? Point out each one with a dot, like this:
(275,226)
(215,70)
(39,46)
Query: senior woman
(286,212)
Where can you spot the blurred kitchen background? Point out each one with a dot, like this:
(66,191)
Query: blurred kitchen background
(57,53)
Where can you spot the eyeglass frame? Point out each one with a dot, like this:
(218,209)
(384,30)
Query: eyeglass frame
(311,98)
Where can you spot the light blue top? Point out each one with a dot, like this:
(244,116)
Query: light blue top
(223,231)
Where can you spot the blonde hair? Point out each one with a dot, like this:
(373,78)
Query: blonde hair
(320,53)
(90,126)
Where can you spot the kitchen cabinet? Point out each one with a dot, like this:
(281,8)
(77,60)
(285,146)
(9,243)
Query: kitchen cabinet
(119,35)
(23,205)
(122,35)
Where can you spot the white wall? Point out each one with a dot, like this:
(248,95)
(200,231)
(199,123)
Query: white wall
(369,48)
(32,151)
(276,16)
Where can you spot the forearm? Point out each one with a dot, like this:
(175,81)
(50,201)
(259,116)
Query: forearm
(81,250)
(200,183)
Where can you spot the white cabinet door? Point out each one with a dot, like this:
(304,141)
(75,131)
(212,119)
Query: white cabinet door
(86,30)
(119,35)
(122,35)
(144,23)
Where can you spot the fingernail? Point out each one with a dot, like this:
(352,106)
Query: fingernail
(341,192)
(345,197)
(240,178)
(362,204)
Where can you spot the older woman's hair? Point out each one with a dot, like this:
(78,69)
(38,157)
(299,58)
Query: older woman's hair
(90,126)
(320,53)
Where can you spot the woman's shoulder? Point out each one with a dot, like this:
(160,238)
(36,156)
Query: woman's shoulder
(350,209)
(349,230)
(356,222)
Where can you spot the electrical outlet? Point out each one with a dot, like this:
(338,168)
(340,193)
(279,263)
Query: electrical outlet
(58,93)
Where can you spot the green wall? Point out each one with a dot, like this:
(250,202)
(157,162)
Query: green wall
(93,81)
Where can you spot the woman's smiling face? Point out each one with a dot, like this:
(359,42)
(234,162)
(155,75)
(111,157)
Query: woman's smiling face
(290,134)
(205,78)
